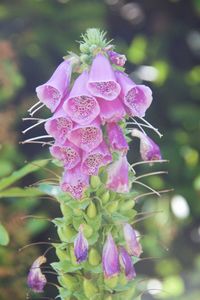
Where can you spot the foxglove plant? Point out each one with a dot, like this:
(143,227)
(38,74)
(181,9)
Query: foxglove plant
(89,130)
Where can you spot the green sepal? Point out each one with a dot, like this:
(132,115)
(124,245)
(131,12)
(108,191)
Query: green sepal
(65,267)
(89,289)
(68,281)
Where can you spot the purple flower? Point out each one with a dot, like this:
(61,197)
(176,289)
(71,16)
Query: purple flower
(93,160)
(80,246)
(52,92)
(117,172)
(36,280)
(137,98)
(126,263)
(102,82)
(86,137)
(75,182)
(117,58)
(110,258)
(68,153)
(116,138)
(58,126)
(133,246)
(148,149)
(111,111)
(80,105)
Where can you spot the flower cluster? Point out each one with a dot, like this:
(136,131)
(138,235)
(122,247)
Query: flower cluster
(86,121)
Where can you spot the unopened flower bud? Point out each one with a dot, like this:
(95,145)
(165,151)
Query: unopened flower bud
(133,246)
(68,281)
(91,210)
(94,257)
(80,246)
(126,263)
(127,205)
(110,258)
(95,182)
(112,207)
(36,280)
(89,288)
(111,282)
(105,197)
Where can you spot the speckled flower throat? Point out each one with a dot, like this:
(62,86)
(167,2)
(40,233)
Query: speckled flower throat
(93,118)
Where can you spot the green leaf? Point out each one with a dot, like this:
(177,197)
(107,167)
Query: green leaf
(29,168)
(4,237)
(19,192)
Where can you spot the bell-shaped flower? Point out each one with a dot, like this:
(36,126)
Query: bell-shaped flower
(126,263)
(117,58)
(80,105)
(74,182)
(58,126)
(36,280)
(96,158)
(111,111)
(117,172)
(52,92)
(86,137)
(148,149)
(102,82)
(80,246)
(110,258)
(133,246)
(68,153)
(137,98)
(116,138)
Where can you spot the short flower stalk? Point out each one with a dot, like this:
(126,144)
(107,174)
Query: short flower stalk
(89,136)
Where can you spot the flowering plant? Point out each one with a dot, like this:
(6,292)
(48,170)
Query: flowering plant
(89,130)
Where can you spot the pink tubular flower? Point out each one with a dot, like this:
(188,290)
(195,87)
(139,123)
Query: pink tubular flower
(68,153)
(52,92)
(75,182)
(133,246)
(126,263)
(116,138)
(102,82)
(93,160)
(58,126)
(80,105)
(110,258)
(118,180)
(86,137)
(36,280)
(80,246)
(137,98)
(111,111)
(148,149)
(117,58)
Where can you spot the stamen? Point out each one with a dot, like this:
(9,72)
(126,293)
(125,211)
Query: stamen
(138,124)
(36,142)
(151,126)
(33,119)
(34,105)
(148,187)
(32,113)
(33,126)
(35,217)
(33,244)
(151,193)
(46,169)
(150,162)
(37,138)
(151,174)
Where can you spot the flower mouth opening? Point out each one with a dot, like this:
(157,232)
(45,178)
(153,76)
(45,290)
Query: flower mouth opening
(108,90)
(51,96)
(59,128)
(92,163)
(67,154)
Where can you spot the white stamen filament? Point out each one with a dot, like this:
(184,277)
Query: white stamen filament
(138,124)
(33,119)
(152,127)
(32,113)
(34,105)
(33,126)
(151,174)
(148,187)
(150,162)
(37,142)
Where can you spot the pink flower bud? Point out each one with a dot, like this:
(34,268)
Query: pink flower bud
(36,280)
(117,59)
(52,92)
(148,149)
(126,263)
(118,180)
(116,138)
(102,82)
(137,98)
(80,247)
(133,246)
(75,182)
(80,105)
(110,258)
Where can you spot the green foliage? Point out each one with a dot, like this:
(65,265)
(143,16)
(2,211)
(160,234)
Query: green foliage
(4,237)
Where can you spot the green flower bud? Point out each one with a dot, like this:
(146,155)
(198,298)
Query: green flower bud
(84,58)
(108,298)
(84,48)
(68,281)
(111,282)
(105,197)
(92,48)
(89,288)
(127,205)
(94,257)
(87,230)
(61,254)
(112,207)
(91,210)
(95,182)
(66,210)
(66,233)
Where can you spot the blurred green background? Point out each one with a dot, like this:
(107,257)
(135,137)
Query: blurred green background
(162,42)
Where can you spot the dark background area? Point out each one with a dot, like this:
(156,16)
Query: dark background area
(161,40)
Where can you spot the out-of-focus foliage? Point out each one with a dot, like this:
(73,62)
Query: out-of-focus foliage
(162,42)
